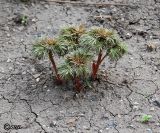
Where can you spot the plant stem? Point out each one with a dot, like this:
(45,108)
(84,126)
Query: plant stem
(59,80)
(95,66)
(78,85)
(94,70)
(103,58)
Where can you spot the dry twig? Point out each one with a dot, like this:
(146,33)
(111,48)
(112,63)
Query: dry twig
(88,3)
(103,17)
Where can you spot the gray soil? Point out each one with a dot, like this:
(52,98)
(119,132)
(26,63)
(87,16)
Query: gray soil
(28,96)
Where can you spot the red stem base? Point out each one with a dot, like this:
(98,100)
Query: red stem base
(78,85)
(95,65)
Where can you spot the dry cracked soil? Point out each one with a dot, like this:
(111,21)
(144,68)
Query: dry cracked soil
(31,103)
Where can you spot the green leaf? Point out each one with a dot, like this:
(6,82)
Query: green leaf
(114,54)
(123,48)
(81,71)
(145,118)
(39,51)
(87,40)
(76,64)
(88,84)
(66,71)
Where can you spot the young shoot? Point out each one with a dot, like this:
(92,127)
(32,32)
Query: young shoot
(105,43)
(145,118)
(49,47)
(76,67)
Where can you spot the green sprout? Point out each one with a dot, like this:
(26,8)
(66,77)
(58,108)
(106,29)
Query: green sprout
(76,67)
(70,37)
(105,43)
(48,47)
(24,20)
(21,19)
(145,118)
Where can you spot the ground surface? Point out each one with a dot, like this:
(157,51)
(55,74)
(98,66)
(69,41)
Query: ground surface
(29,98)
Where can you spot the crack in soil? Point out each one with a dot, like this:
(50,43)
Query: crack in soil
(36,116)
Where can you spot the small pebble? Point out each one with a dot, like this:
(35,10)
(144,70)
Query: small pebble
(122,19)
(151,47)
(36,75)
(152,109)
(131,126)
(128,35)
(22,40)
(10,68)
(136,103)
(71,129)
(33,70)
(53,124)
(37,79)
(46,6)
(135,108)
(86,128)
(23,73)
(33,85)
(33,20)
(8,35)
(44,86)
(8,60)
(121,100)
(149,130)
(21,28)
(105,116)
(81,115)
(119,116)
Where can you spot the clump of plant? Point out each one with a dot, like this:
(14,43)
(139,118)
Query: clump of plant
(21,19)
(82,52)
(145,118)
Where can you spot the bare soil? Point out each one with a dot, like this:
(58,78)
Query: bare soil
(28,96)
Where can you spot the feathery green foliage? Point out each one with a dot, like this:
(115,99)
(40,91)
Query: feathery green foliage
(72,33)
(76,64)
(79,47)
(39,51)
(42,47)
(103,39)
(69,37)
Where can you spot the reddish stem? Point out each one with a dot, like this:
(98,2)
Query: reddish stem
(93,69)
(95,66)
(78,85)
(59,80)
(103,58)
